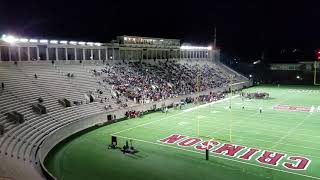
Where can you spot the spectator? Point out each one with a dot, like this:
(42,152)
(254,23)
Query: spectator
(142,82)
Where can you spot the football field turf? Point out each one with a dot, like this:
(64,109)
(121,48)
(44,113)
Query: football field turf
(282,142)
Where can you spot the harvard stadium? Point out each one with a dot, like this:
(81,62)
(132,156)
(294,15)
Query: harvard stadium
(148,108)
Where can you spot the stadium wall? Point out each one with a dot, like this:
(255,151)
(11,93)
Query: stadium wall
(100,119)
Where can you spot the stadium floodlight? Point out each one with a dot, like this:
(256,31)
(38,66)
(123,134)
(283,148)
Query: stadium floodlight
(89,43)
(195,48)
(250,75)
(43,41)
(161,40)
(257,62)
(9,38)
(23,40)
(298,77)
(97,44)
(53,42)
(63,42)
(33,40)
(73,42)
(82,43)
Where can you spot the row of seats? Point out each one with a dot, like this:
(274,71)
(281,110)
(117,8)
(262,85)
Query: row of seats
(22,88)
(23,140)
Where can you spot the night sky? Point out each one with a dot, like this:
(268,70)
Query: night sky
(244,28)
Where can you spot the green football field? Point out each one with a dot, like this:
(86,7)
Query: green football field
(282,142)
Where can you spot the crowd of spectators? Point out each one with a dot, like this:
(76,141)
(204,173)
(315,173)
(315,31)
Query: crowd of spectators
(133,114)
(143,82)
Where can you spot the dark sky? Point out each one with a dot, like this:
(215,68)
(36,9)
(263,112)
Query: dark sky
(244,28)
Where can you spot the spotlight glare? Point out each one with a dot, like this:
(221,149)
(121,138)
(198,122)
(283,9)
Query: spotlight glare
(33,40)
(90,43)
(23,40)
(63,42)
(43,41)
(53,42)
(9,38)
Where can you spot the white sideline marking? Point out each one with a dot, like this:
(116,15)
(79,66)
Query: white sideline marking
(214,111)
(220,157)
(201,117)
(183,123)
(170,116)
(208,104)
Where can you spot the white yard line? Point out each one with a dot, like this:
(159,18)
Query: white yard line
(124,130)
(291,131)
(220,157)
(208,104)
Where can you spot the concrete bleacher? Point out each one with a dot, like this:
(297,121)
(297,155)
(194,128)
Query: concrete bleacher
(21,142)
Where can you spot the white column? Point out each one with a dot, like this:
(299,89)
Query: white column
(91,54)
(83,54)
(99,54)
(57,54)
(112,54)
(75,54)
(47,54)
(28,53)
(66,53)
(19,54)
(152,53)
(107,57)
(37,53)
(9,53)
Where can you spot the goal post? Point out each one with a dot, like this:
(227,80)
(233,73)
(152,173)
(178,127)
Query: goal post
(227,136)
(315,66)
